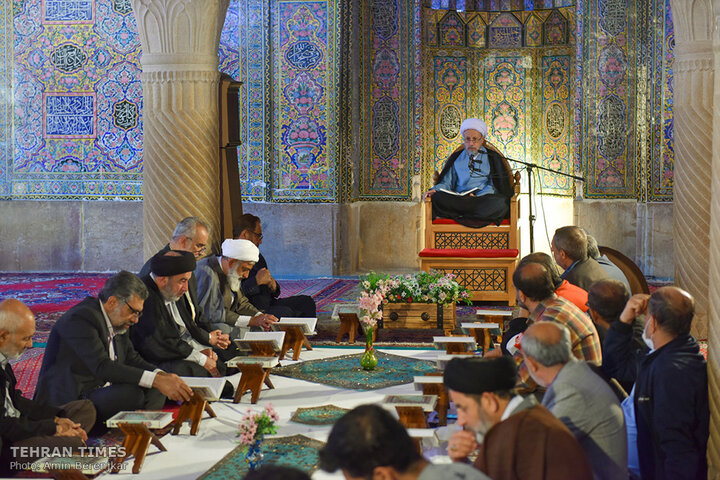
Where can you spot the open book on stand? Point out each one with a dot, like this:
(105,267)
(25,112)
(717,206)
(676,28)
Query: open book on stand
(307,324)
(207,388)
(150,419)
(272,339)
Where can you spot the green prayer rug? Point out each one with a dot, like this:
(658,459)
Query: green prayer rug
(297,451)
(345,371)
(322,415)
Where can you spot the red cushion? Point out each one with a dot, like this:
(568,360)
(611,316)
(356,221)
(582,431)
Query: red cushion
(469,252)
(448,221)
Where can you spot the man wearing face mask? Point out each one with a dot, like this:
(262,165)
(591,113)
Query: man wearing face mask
(476,169)
(671,389)
(520,439)
(220,296)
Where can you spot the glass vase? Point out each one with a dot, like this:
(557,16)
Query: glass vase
(369,361)
(254,456)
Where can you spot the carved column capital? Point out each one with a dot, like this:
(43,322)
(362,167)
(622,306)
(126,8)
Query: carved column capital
(179,34)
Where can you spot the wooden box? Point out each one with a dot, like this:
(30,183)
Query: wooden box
(419,315)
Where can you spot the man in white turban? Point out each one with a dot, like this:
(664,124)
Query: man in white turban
(475,186)
(219,292)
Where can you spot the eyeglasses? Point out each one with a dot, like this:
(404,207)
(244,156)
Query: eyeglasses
(135,313)
(200,248)
(472,139)
(259,235)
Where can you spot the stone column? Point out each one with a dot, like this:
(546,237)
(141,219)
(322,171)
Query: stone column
(714,267)
(693,153)
(180,77)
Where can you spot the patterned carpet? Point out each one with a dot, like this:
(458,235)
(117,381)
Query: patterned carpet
(345,371)
(297,451)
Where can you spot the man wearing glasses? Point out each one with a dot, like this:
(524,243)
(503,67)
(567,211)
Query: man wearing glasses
(260,287)
(191,235)
(475,185)
(89,355)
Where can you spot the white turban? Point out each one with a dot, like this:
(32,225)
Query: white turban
(474,124)
(243,250)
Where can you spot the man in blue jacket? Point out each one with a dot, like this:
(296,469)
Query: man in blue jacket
(671,389)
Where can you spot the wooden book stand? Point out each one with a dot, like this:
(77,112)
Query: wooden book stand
(138,438)
(252,378)
(411,417)
(68,474)
(192,410)
(350,324)
(294,338)
(443,402)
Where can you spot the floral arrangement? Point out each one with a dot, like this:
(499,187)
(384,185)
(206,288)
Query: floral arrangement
(423,287)
(255,425)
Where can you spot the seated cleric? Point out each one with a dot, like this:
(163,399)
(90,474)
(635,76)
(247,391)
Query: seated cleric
(477,169)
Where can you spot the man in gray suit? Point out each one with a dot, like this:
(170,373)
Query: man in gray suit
(578,397)
(569,247)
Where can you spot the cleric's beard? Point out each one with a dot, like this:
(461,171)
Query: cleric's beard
(234,279)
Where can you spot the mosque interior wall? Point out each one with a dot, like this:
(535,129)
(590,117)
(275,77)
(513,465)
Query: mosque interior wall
(337,193)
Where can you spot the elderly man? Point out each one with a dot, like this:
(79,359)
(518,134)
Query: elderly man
(536,293)
(191,235)
(569,246)
(580,399)
(161,336)
(475,186)
(221,298)
(260,287)
(89,355)
(521,438)
(27,423)
(671,391)
(368,442)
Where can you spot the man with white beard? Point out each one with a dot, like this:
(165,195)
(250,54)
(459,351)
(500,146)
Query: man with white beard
(219,293)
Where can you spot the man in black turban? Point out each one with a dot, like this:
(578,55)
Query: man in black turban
(521,438)
(161,336)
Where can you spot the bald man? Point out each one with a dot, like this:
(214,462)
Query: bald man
(671,389)
(577,397)
(27,423)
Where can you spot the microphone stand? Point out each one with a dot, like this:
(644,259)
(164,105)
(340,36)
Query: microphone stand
(529,167)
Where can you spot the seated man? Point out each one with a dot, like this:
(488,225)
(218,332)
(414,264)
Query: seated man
(31,423)
(563,289)
(569,246)
(520,439)
(160,335)
(191,235)
(580,399)
(610,268)
(478,169)
(368,442)
(221,298)
(260,287)
(536,293)
(607,300)
(89,355)
(671,391)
